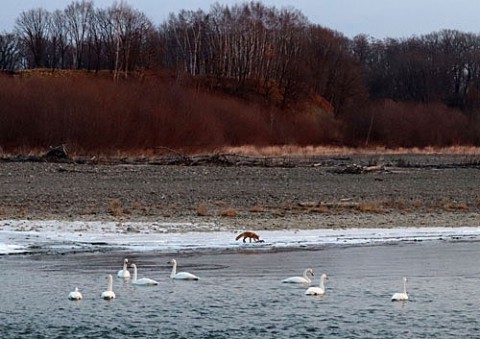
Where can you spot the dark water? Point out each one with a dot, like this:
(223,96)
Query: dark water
(240,295)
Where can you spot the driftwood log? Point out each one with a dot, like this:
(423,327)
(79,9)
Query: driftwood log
(56,154)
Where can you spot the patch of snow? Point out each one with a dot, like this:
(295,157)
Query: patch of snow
(25,236)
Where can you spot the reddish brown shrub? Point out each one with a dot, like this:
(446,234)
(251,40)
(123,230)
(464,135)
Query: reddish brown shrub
(93,113)
(396,124)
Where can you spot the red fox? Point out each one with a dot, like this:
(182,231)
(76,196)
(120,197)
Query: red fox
(250,236)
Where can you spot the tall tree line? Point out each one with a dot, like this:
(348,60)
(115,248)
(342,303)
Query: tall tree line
(78,37)
(441,66)
(276,52)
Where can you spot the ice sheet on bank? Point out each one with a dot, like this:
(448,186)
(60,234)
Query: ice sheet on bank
(22,236)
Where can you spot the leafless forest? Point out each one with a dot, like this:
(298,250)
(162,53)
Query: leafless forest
(110,78)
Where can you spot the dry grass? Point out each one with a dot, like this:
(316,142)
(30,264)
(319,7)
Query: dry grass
(229,212)
(115,207)
(443,204)
(137,205)
(376,206)
(257,209)
(92,209)
(447,205)
(417,203)
(274,151)
(203,210)
(100,156)
(371,207)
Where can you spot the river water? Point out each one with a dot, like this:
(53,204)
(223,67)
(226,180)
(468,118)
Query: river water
(240,294)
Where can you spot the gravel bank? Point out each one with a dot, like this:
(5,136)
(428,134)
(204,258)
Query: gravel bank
(316,196)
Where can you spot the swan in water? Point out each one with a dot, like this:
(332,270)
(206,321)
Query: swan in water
(142,281)
(180,275)
(109,294)
(123,273)
(75,295)
(401,296)
(318,290)
(300,280)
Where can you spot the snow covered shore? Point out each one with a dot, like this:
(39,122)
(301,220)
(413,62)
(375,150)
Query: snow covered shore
(30,236)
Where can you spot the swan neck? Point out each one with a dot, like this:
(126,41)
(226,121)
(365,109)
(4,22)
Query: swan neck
(174,270)
(404,287)
(124,266)
(307,279)
(322,282)
(110,283)
(134,273)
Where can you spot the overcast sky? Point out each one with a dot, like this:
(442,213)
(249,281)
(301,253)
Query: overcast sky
(377,18)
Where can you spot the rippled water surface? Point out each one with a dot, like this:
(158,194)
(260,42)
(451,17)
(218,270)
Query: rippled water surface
(240,294)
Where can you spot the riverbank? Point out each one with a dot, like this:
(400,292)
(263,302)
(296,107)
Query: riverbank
(326,192)
(62,237)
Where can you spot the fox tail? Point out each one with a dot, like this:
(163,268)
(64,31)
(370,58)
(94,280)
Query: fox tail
(239,236)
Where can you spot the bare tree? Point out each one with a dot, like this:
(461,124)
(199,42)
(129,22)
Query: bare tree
(130,29)
(104,40)
(32,27)
(78,16)
(9,52)
(58,40)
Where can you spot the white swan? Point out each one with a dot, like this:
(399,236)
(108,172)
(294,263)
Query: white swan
(401,296)
(181,275)
(123,273)
(109,294)
(75,295)
(318,290)
(142,281)
(301,280)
